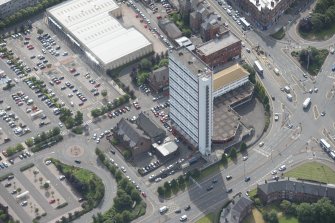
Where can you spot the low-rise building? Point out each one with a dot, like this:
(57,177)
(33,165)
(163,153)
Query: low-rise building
(132,137)
(220,50)
(150,128)
(237,210)
(294,190)
(159,79)
(229,79)
(170,29)
(9,7)
(185,42)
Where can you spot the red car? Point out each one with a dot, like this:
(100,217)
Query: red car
(72,70)
(110,115)
(52,201)
(144,194)
(97,85)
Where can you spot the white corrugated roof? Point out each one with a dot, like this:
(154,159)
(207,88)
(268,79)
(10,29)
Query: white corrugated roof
(90,22)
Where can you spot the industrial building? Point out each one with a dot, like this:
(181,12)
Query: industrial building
(190,82)
(93,29)
(9,7)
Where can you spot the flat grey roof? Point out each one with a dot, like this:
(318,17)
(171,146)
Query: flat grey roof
(191,61)
(217,44)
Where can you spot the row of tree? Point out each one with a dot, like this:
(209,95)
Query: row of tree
(126,200)
(25,13)
(110,106)
(66,116)
(43,136)
(14,149)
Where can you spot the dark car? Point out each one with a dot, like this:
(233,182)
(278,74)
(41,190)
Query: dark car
(247,179)
(229,177)
(187,208)
(112,151)
(214,180)
(229,190)
(210,188)
(77,161)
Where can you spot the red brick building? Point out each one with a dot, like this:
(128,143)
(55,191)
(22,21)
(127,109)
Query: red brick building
(216,52)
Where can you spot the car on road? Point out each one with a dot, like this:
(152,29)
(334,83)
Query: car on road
(273,172)
(229,190)
(214,180)
(244,158)
(209,188)
(123,169)
(61,177)
(229,177)
(276,116)
(247,179)
(52,201)
(77,161)
(144,194)
(323,113)
(24,203)
(261,144)
(47,162)
(187,208)
(183,218)
(282,168)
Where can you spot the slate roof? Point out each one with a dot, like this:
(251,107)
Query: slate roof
(297,186)
(149,127)
(130,132)
(240,205)
(160,73)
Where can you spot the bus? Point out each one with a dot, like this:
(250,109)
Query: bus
(325,145)
(306,103)
(258,67)
(245,24)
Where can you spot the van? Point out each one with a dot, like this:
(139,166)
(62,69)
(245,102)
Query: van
(163,209)
(229,12)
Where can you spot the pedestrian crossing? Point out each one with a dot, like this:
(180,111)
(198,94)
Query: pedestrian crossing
(88,122)
(63,133)
(272,145)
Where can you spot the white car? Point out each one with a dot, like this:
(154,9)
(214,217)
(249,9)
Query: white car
(245,158)
(47,162)
(61,177)
(273,172)
(282,168)
(123,169)
(183,218)
(60,125)
(261,144)
(276,116)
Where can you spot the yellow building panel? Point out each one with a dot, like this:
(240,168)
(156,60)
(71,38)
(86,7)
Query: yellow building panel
(228,76)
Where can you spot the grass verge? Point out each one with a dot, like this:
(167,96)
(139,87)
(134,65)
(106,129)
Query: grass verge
(208,218)
(280,34)
(313,171)
(320,36)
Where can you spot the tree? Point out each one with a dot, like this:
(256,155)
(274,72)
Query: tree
(233,153)
(181,182)
(224,159)
(104,93)
(305,213)
(29,142)
(243,147)
(273,217)
(118,175)
(174,184)
(126,216)
(145,64)
(122,201)
(196,173)
(135,196)
(285,205)
(78,118)
(46,185)
(160,191)
(40,31)
(40,179)
(318,21)
(305,25)
(127,154)
(56,131)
